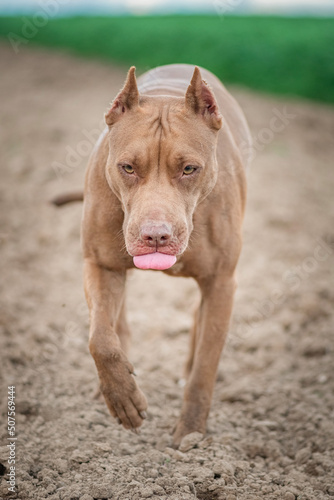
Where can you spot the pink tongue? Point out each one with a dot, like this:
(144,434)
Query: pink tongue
(154,260)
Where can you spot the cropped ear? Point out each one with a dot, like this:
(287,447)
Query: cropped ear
(127,99)
(200,99)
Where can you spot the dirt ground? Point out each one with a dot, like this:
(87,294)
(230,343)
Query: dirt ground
(271,428)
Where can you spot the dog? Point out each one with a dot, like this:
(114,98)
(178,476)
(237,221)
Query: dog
(165,189)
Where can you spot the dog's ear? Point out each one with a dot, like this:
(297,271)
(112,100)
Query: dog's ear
(128,98)
(200,99)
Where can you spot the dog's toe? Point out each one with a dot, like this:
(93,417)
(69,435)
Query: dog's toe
(131,409)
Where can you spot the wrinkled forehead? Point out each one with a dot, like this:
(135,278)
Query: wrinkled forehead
(161,121)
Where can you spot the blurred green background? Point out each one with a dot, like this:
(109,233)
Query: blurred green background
(284,55)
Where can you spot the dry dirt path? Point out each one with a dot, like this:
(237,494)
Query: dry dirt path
(271,428)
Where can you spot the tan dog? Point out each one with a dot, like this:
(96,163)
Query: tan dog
(165,189)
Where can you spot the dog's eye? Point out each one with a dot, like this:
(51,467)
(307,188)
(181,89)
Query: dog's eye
(128,169)
(189,169)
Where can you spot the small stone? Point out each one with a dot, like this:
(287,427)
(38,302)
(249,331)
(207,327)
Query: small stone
(101,490)
(164,442)
(146,492)
(182,480)
(170,451)
(289,496)
(133,484)
(269,424)
(235,393)
(200,474)
(126,449)
(255,486)
(190,441)
(154,473)
(4,454)
(71,492)
(51,489)
(158,490)
(179,456)
(214,487)
(86,497)
(103,447)
(303,455)
(60,465)
(79,456)
(223,467)
(242,465)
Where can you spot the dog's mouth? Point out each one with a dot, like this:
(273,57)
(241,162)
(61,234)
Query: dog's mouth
(155,260)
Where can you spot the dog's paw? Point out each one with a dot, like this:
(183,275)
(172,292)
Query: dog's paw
(180,431)
(125,401)
(191,421)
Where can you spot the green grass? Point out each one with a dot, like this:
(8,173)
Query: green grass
(291,56)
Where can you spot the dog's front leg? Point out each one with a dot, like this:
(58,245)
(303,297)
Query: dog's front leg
(105,297)
(213,323)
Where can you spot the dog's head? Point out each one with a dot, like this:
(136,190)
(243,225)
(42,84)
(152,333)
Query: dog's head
(162,163)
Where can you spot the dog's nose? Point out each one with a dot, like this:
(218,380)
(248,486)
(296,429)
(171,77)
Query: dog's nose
(156,234)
